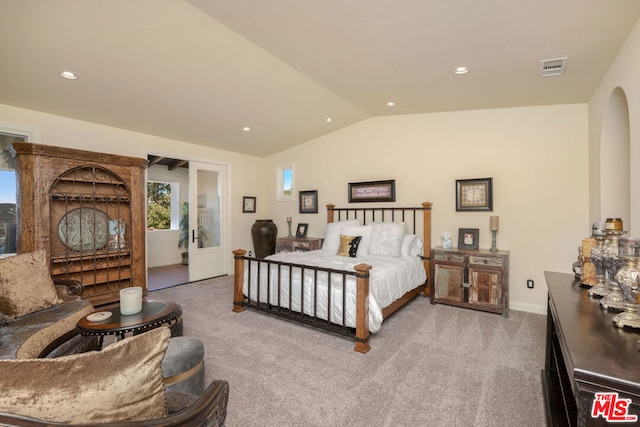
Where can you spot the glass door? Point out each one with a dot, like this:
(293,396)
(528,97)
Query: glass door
(207,242)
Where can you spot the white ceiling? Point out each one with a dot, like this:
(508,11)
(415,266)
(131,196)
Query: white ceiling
(201,70)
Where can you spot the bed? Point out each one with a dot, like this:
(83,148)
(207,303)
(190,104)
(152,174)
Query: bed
(384,264)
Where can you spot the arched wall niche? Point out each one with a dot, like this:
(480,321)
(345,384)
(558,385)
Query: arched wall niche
(615,152)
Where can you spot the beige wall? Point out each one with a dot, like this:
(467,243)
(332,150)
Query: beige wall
(245,172)
(537,157)
(604,115)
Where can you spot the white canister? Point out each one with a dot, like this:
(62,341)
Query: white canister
(130,300)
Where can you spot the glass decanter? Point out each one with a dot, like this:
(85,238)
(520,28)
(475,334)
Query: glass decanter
(612,264)
(597,258)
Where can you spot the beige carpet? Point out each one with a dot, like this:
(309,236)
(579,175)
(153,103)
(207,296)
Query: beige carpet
(429,365)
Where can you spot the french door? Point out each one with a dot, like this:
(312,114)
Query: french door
(207,202)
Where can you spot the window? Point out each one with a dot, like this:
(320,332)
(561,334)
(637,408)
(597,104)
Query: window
(285,183)
(8,193)
(162,205)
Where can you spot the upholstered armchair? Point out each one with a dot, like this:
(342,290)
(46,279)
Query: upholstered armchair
(37,315)
(122,385)
(210,409)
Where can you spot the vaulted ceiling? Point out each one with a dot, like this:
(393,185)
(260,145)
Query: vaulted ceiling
(202,70)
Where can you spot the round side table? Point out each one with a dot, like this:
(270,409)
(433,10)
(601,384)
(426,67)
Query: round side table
(153,315)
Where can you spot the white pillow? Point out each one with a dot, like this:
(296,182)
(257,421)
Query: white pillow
(412,245)
(407,244)
(386,238)
(332,234)
(365,232)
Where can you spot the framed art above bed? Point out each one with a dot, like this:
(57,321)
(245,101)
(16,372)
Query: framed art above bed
(372,191)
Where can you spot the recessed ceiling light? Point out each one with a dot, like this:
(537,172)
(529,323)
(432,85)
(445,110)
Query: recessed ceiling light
(328,120)
(69,75)
(391,104)
(461,70)
(246,129)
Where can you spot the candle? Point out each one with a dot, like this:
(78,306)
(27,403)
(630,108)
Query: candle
(130,300)
(494,223)
(288,219)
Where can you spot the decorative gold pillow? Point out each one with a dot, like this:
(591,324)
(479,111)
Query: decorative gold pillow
(26,285)
(349,245)
(123,382)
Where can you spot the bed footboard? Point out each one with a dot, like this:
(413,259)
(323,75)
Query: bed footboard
(261,266)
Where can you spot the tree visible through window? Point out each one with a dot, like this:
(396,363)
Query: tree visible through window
(159,205)
(287,185)
(285,182)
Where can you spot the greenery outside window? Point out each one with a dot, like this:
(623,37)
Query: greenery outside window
(162,205)
(284,183)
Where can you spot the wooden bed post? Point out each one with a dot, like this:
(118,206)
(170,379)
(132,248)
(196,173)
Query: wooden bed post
(362,308)
(330,208)
(426,215)
(238,279)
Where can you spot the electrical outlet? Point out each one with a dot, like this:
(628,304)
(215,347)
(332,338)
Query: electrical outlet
(530,284)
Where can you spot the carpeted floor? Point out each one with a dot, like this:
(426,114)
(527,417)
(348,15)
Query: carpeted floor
(429,365)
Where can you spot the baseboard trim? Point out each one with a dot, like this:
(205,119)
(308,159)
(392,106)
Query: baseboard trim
(529,308)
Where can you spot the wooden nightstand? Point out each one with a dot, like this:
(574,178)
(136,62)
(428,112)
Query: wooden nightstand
(477,279)
(293,244)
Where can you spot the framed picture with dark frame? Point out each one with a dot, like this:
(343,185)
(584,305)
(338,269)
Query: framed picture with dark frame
(468,238)
(301,231)
(248,204)
(372,191)
(308,201)
(474,194)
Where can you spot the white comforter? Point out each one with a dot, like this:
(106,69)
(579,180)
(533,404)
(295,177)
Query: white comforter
(390,278)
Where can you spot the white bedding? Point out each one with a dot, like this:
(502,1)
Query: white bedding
(390,278)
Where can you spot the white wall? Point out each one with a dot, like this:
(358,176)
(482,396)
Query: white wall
(245,172)
(537,157)
(622,76)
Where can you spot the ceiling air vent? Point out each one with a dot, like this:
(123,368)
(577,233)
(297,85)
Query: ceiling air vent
(552,67)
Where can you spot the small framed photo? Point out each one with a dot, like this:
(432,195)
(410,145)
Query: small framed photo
(248,204)
(468,238)
(308,201)
(372,191)
(474,194)
(301,231)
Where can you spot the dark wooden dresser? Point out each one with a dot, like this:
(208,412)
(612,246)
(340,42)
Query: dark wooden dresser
(586,354)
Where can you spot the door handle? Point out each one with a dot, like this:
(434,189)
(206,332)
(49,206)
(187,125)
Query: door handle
(193,236)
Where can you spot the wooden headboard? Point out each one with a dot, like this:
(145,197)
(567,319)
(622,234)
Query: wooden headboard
(410,216)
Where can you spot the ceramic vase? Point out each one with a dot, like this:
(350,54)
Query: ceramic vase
(264,234)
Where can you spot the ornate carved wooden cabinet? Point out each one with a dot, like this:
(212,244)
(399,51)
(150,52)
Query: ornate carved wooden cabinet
(477,279)
(87,211)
